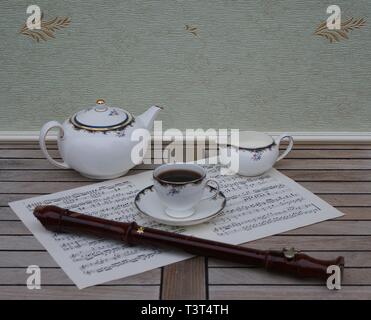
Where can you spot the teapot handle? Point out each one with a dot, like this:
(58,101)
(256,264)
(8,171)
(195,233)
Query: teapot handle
(289,147)
(43,132)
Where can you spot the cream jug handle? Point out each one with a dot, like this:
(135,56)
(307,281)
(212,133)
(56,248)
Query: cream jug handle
(289,147)
(43,132)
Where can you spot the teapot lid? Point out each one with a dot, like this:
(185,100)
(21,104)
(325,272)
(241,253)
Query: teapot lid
(253,140)
(101,118)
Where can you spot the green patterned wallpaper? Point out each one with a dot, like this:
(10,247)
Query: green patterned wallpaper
(211,63)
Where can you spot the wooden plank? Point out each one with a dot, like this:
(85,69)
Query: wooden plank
(19,243)
(322,175)
(42,164)
(37,154)
(258,276)
(23,164)
(48,175)
(71,292)
(15,144)
(343,200)
(7,214)
(329,154)
(184,280)
(16,259)
(297,175)
(336,187)
(184,155)
(181,153)
(352,259)
(188,154)
(346,164)
(41,175)
(26,146)
(56,276)
(294,154)
(355,213)
(298,153)
(40,187)
(305,243)
(348,148)
(332,146)
(50,144)
(297,145)
(288,292)
(28,154)
(6,198)
(13,227)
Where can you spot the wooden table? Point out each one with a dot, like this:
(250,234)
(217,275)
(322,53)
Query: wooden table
(340,174)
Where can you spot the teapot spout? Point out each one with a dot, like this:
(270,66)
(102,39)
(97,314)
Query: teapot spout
(149,116)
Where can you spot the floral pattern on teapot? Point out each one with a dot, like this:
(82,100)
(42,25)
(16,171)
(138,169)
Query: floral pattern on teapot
(97,141)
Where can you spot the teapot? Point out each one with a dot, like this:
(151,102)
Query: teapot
(97,141)
(255,152)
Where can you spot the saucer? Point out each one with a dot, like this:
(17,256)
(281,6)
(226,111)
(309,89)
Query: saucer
(148,203)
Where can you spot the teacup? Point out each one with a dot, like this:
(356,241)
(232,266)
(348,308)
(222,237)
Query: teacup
(181,186)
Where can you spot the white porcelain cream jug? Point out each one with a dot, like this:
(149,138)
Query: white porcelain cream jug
(256,152)
(97,141)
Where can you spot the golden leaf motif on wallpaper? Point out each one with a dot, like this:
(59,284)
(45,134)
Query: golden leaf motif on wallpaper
(191,29)
(337,35)
(48,28)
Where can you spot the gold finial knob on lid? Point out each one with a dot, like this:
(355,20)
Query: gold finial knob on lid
(101,106)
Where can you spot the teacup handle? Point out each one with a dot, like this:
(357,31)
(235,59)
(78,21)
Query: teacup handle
(44,131)
(289,147)
(216,191)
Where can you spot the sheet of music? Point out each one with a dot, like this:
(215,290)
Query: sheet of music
(256,208)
